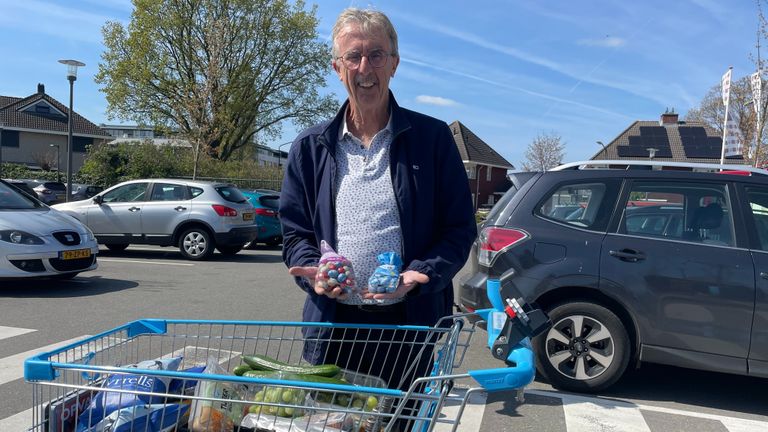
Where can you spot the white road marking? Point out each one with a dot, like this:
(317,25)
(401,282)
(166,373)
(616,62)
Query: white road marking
(18,422)
(144,262)
(12,367)
(471,418)
(9,332)
(577,408)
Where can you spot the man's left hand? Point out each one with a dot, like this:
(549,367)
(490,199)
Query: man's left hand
(408,281)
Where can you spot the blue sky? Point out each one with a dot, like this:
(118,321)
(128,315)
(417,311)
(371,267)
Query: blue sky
(508,69)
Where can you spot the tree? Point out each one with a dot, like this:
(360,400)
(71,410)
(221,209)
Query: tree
(216,71)
(711,112)
(545,152)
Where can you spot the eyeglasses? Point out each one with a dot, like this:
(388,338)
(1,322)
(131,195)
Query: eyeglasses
(376,58)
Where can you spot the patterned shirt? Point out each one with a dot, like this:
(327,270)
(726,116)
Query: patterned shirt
(367,218)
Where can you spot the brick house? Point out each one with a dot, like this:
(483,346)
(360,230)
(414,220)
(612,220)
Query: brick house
(486,169)
(34,127)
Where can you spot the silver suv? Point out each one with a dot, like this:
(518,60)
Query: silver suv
(196,216)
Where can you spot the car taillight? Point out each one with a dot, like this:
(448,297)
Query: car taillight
(223,210)
(266,212)
(494,240)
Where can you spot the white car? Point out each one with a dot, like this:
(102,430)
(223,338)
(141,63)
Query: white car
(38,241)
(195,216)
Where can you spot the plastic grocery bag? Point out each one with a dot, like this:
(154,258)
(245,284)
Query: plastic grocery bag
(129,386)
(334,270)
(387,275)
(216,415)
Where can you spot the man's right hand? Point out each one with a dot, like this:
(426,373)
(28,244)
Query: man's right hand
(309,272)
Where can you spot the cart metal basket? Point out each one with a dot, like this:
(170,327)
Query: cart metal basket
(396,378)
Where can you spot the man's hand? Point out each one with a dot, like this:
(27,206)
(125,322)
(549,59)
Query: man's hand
(408,281)
(310,272)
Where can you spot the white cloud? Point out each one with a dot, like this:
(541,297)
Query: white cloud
(607,42)
(435,100)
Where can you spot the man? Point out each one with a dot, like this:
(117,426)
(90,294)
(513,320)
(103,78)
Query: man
(375,178)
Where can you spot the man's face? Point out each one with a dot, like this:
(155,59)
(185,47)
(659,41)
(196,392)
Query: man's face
(367,86)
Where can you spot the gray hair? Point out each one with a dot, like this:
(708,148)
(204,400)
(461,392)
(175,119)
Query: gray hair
(369,21)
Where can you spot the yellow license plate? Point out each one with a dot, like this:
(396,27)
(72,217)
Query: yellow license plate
(247,216)
(75,254)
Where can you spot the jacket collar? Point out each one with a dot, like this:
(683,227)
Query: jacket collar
(400,122)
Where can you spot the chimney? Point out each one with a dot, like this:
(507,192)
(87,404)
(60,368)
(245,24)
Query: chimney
(668,118)
(41,88)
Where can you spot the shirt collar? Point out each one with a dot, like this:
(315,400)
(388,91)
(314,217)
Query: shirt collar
(344,130)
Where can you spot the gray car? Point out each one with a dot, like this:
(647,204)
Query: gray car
(196,216)
(654,265)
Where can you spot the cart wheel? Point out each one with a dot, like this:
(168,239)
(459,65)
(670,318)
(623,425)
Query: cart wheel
(196,244)
(586,349)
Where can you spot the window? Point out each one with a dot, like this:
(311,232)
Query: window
(195,191)
(128,193)
(471,173)
(578,205)
(758,203)
(488,172)
(10,138)
(168,192)
(692,212)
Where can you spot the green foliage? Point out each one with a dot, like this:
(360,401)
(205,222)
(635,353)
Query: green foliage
(110,164)
(217,71)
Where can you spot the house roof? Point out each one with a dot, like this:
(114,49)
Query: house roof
(473,149)
(678,141)
(22,113)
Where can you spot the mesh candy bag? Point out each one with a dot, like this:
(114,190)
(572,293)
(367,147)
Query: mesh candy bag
(334,270)
(385,278)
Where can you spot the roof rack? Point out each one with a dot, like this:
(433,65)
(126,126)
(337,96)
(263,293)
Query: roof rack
(659,165)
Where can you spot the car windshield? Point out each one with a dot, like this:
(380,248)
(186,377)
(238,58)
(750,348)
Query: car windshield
(231,194)
(12,199)
(55,186)
(270,201)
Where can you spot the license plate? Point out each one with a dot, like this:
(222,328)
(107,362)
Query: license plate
(248,216)
(75,254)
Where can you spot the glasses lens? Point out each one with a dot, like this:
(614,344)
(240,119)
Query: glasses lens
(377,58)
(352,60)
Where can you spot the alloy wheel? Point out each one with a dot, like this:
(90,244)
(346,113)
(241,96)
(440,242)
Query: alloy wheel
(580,347)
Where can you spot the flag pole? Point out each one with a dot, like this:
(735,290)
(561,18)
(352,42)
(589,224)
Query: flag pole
(726,89)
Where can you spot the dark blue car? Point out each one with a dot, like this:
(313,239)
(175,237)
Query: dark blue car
(266,204)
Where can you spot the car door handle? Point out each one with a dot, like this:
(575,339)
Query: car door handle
(628,255)
(179,208)
(134,209)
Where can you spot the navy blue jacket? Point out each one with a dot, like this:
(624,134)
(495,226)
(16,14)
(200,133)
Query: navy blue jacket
(433,198)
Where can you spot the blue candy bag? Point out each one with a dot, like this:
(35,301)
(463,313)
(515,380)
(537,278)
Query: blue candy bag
(386,276)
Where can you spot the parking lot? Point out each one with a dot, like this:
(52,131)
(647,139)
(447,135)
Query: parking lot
(153,282)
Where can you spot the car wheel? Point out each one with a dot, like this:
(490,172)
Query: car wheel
(274,241)
(586,349)
(196,244)
(229,250)
(117,247)
(65,276)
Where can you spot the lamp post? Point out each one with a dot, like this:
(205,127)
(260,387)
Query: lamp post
(603,146)
(2,125)
(58,162)
(280,154)
(72,66)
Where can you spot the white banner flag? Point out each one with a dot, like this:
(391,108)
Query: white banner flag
(726,86)
(757,94)
(733,142)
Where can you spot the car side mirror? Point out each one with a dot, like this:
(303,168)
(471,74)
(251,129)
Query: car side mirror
(98,199)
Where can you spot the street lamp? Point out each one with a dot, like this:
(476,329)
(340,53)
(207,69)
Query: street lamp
(280,153)
(58,162)
(72,66)
(2,125)
(603,146)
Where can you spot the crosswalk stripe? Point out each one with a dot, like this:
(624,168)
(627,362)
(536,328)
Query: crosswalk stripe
(12,367)
(18,422)
(9,332)
(602,414)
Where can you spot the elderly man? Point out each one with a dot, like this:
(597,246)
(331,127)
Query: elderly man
(375,178)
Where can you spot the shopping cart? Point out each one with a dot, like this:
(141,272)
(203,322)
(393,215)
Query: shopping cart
(75,387)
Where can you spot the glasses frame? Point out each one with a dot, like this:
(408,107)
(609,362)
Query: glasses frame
(350,66)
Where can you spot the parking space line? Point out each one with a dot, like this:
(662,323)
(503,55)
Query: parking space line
(12,367)
(17,422)
(144,262)
(9,332)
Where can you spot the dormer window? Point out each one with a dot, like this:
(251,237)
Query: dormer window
(42,109)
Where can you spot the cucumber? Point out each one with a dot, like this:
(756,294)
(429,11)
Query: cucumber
(240,370)
(262,362)
(317,379)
